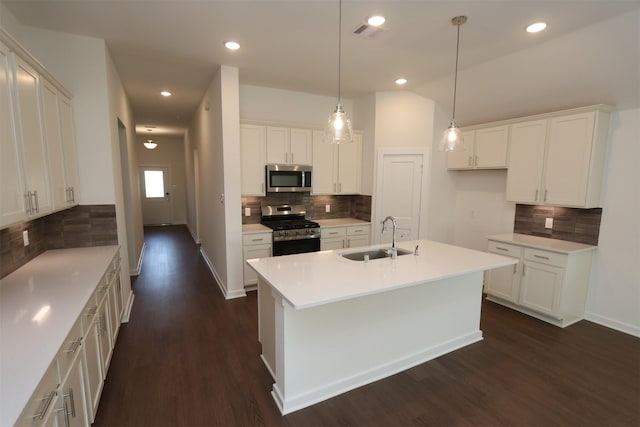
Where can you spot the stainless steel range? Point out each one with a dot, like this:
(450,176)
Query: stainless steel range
(292,232)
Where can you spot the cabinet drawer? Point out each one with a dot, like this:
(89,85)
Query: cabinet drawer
(42,400)
(69,350)
(333,232)
(358,230)
(256,239)
(545,257)
(505,249)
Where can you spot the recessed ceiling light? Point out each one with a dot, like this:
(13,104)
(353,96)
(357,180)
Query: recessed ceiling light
(231,45)
(165,93)
(536,27)
(376,20)
(401,81)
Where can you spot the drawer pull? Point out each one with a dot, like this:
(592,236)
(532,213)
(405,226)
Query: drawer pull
(502,249)
(333,232)
(515,268)
(541,257)
(72,401)
(257,240)
(74,346)
(92,311)
(47,401)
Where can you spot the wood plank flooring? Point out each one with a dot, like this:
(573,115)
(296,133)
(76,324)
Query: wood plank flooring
(189,358)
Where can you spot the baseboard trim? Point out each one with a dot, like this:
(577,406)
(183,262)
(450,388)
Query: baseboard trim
(225,292)
(136,271)
(193,235)
(129,306)
(613,324)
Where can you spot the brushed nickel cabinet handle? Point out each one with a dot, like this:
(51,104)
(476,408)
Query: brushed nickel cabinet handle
(35,194)
(545,195)
(502,249)
(27,203)
(72,401)
(515,268)
(470,161)
(47,401)
(476,163)
(541,257)
(74,346)
(537,191)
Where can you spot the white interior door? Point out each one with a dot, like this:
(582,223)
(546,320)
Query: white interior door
(156,195)
(399,194)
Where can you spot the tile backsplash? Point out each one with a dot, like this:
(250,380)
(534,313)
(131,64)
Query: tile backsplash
(80,226)
(573,224)
(358,207)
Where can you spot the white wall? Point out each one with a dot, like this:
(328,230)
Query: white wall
(364,118)
(614,289)
(288,107)
(215,134)
(169,152)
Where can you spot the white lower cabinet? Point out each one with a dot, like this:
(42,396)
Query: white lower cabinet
(71,409)
(92,361)
(352,236)
(254,245)
(549,285)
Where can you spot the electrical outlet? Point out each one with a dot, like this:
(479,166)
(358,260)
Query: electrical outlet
(548,223)
(247,211)
(327,208)
(25,237)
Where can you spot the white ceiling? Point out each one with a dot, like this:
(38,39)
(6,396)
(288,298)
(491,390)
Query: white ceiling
(589,54)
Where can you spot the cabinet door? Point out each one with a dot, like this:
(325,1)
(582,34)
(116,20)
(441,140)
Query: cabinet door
(324,166)
(104,335)
(349,161)
(250,252)
(541,287)
(504,282)
(253,153)
(357,241)
(29,120)
(491,145)
(53,137)
(72,409)
(114,317)
(69,150)
(301,146)
(277,145)
(12,186)
(92,364)
(526,156)
(463,159)
(568,159)
(332,243)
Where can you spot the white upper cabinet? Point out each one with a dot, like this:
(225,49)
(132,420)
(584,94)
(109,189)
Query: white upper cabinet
(253,155)
(38,160)
(336,168)
(558,161)
(12,198)
(289,146)
(485,148)
(526,157)
(67,133)
(29,128)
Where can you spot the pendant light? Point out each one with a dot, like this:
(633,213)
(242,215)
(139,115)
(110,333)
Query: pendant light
(452,139)
(339,128)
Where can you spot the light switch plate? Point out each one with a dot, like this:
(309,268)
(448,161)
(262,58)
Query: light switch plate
(25,237)
(247,211)
(548,223)
(327,208)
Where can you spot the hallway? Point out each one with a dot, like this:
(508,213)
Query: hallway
(189,358)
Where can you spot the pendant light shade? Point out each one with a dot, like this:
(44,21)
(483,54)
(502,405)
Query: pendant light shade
(452,138)
(339,130)
(150,145)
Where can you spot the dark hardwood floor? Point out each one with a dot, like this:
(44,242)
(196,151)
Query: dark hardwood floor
(189,358)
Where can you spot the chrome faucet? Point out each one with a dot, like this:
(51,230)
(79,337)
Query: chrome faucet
(394,249)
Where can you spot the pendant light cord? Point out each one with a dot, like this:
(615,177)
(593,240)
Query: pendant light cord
(455,79)
(339,45)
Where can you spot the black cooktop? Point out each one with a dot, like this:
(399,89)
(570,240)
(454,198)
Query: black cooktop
(290,224)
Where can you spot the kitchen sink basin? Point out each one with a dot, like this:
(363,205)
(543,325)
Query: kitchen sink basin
(373,254)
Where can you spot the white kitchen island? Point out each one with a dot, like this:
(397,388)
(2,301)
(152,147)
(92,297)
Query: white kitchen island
(328,324)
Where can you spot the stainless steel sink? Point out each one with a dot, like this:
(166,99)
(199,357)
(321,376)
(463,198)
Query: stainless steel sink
(373,254)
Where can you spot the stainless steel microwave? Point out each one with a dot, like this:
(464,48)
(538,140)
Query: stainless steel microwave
(288,178)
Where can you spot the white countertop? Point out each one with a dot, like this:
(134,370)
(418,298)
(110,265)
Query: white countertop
(62,279)
(554,245)
(340,222)
(317,278)
(255,228)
